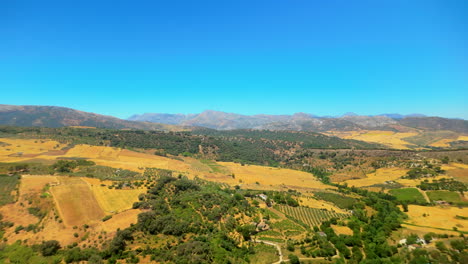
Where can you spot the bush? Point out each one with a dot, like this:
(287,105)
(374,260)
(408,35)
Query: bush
(49,248)
(293,259)
(107,217)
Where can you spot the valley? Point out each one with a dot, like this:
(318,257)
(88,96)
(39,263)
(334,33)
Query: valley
(81,195)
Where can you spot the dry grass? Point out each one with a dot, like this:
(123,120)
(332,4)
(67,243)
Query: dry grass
(437,217)
(319,204)
(76,202)
(445,142)
(21,149)
(120,220)
(254,175)
(342,230)
(379,176)
(458,171)
(112,200)
(388,138)
(125,159)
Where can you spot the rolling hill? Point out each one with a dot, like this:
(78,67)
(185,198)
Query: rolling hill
(54,116)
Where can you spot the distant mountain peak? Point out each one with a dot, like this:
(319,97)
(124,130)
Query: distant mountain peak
(349,114)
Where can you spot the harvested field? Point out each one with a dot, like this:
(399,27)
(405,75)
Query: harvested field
(120,220)
(319,204)
(269,176)
(459,171)
(378,177)
(342,230)
(76,202)
(388,138)
(437,217)
(20,149)
(112,200)
(125,159)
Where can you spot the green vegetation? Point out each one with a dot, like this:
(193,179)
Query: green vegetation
(310,216)
(203,212)
(339,200)
(247,146)
(425,170)
(107,217)
(450,197)
(408,195)
(443,184)
(7,186)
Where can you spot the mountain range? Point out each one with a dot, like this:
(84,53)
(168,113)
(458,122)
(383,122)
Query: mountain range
(306,122)
(54,116)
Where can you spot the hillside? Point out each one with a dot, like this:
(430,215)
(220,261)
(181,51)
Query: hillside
(54,116)
(249,146)
(137,207)
(307,122)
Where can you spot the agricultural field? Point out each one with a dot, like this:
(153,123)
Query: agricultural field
(448,196)
(64,205)
(113,200)
(264,254)
(13,149)
(412,195)
(7,188)
(253,176)
(343,202)
(458,171)
(310,216)
(380,176)
(437,217)
(391,139)
(434,138)
(314,202)
(76,202)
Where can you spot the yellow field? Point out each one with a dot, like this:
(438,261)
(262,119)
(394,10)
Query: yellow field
(388,138)
(120,220)
(269,176)
(319,204)
(444,143)
(112,200)
(342,230)
(75,202)
(439,217)
(380,176)
(22,148)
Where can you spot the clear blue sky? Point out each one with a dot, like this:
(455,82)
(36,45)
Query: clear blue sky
(274,56)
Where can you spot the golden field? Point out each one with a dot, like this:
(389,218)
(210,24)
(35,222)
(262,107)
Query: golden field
(73,203)
(387,138)
(253,175)
(437,217)
(112,200)
(379,176)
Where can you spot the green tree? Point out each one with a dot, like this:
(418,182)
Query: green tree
(293,259)
(49,248)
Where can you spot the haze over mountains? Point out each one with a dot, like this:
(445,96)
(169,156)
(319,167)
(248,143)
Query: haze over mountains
(53,116)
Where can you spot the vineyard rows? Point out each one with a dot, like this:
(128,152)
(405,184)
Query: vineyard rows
(309,216)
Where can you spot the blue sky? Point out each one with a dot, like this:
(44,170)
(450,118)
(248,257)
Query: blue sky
(276,57)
